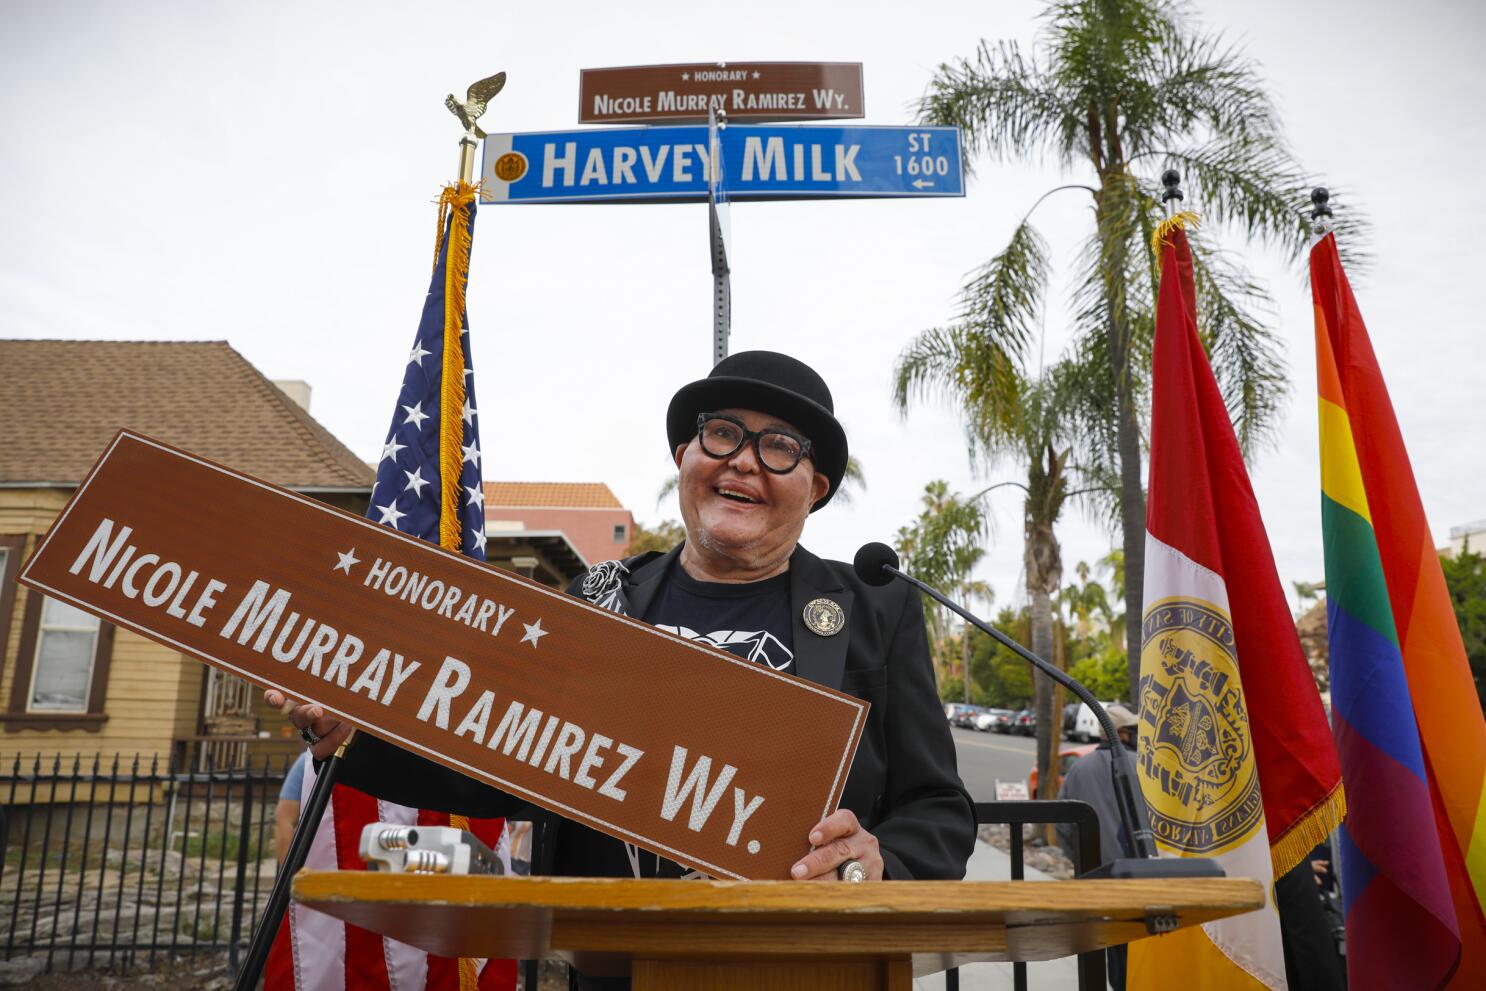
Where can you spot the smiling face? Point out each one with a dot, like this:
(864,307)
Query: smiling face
(742,522)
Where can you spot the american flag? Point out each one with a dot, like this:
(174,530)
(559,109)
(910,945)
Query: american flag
(315,952)
(407,493)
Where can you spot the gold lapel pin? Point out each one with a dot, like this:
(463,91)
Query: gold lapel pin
(824,617)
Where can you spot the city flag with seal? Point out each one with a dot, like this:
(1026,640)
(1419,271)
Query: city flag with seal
(1235,758)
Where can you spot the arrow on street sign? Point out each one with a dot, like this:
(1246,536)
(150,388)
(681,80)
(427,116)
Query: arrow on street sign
(765,162)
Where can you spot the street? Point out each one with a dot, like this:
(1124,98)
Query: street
(985,758)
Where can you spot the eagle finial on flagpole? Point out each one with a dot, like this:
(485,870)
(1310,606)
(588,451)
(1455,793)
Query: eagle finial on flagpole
(469,110)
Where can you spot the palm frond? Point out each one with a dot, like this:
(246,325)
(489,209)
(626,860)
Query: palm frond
(1244,353)
(1002,104)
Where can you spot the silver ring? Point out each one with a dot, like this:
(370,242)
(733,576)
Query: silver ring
(852,871)
(308,736)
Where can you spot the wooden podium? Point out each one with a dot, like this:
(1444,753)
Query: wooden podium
(765,934)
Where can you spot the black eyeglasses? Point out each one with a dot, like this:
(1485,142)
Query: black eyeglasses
(723,436)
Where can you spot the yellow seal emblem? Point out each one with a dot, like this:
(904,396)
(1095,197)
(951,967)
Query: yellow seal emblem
(1196,757)
(824,617)
(510,166)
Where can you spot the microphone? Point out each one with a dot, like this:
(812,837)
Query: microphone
(872,562)
(877,564)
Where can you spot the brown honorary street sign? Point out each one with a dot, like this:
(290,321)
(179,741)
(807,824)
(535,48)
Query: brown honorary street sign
(756,91)
(695,754)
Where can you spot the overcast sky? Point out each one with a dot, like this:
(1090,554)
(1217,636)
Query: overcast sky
(264,173)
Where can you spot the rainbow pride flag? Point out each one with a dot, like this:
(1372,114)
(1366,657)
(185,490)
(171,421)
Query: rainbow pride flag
(1407,721)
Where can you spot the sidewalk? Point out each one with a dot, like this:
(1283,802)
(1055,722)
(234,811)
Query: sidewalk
(990,864)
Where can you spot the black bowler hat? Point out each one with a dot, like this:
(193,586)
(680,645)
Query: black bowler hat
(771,383)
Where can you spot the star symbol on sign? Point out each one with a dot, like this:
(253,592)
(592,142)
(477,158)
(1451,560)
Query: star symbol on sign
(416,356)
(416,416)
(756,73)
(469,411)
(346,560)
(534,632)
(390,449)
(685,76)
(476,496)
(472,454)
(416,481)
(477,537)
(390,515)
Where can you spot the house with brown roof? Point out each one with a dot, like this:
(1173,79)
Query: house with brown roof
(69,682)
(588,515)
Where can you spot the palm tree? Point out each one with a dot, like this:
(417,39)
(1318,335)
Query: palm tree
(942,547)
(1115,92)
(1007,415)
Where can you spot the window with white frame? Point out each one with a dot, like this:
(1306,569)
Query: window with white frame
(66,645)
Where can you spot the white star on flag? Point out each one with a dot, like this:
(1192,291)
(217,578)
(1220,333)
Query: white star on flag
(389,512)
(477,535)
(346,560)
(472,454)
(416,416)
(469,412)
(418,354)
(534,632)
(476,495)
(390,449)
(416,481)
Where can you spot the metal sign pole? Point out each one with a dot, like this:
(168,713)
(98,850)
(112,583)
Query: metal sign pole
(717,229)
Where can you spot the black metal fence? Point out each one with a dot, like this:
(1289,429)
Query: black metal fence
(1016,814)
(113,865)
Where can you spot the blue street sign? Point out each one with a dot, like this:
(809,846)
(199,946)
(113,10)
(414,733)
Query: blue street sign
(767,162)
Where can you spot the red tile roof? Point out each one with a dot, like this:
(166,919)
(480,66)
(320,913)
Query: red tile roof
(550,495)
(62,401)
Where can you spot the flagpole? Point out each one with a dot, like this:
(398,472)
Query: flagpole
(467,146)
(1172,198)
(1320,212)
(299,847)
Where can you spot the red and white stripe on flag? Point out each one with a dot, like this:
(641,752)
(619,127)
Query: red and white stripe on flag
(315,952)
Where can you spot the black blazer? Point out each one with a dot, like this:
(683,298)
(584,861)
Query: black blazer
(903,785)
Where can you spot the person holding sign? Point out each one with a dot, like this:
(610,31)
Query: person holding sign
(759,449)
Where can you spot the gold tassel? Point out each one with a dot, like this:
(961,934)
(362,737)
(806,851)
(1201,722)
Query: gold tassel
(1319,822)
(1183,220)
(454,203)
(469,975)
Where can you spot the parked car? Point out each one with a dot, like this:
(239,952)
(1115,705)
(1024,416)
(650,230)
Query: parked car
(1067,756)
(993,720)
(1025,723)
(952,710)
(1004,719)
(965,717)
(1070,719)
(1086,725)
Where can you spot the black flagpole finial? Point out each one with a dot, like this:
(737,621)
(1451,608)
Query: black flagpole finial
(1320,196)
(1172,180)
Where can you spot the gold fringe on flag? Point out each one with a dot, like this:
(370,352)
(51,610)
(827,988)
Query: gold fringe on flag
(1318,822)
(1183,220)
(469,973)
(454,206)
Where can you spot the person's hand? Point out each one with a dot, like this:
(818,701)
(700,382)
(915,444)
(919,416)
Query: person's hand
(307,715)
(1319,869)
(836,839)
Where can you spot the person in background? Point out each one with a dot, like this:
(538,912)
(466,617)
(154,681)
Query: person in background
(286,814)
(1089,780)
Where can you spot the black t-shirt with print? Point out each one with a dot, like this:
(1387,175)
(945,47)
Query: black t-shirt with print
(751,620)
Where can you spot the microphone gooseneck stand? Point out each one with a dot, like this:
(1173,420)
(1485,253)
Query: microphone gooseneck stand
(877,564)
(299,847)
